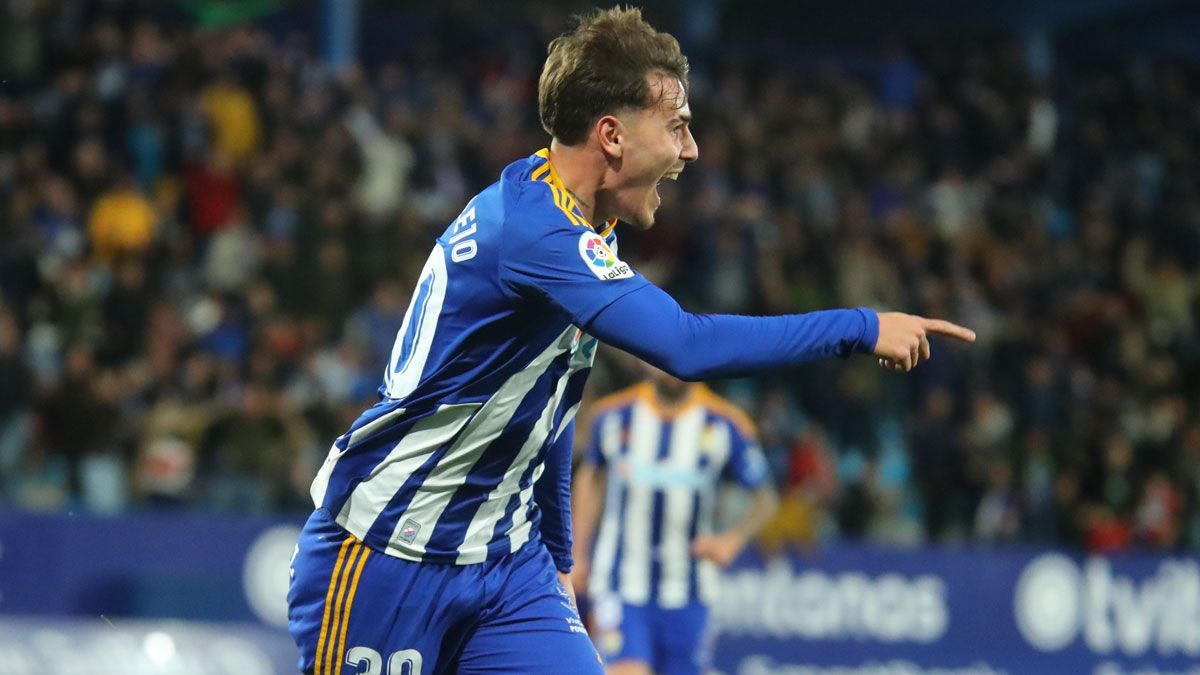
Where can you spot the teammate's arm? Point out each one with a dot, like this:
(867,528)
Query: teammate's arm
(724,547)
(587,502)
(748,466)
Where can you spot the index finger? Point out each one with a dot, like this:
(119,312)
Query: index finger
(949,329)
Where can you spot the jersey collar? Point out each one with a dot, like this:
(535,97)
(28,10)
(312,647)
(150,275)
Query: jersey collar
(696,394)
(562,196)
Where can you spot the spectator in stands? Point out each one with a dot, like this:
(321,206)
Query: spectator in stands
(16,399)
(122,221)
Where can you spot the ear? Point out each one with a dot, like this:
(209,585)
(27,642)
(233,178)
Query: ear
(610,132)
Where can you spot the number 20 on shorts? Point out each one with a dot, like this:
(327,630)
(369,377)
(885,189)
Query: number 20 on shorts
(403,662)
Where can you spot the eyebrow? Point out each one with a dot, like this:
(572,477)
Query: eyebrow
(686,118)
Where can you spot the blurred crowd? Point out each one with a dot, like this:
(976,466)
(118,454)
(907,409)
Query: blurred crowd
(207,242)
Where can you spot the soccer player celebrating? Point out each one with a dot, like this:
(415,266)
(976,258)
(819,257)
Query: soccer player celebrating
(657,453)
(443,514)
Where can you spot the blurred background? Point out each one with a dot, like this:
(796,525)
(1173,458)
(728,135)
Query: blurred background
(212,212)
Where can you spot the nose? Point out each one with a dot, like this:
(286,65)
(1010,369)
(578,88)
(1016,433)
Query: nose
(690,152)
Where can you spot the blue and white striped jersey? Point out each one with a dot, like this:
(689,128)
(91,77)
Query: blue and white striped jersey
(485,375)
(663,469)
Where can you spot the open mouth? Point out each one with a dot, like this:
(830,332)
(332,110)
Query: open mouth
(670,175)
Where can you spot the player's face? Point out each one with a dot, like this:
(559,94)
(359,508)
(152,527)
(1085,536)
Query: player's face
(657,143)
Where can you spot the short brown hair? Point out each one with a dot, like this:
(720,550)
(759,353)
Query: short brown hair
(600,68)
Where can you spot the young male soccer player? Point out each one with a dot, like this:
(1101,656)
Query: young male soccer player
(434,545)
(658,450)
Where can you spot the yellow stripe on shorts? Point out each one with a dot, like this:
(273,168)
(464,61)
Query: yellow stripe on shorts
(337,566)
(337,612)
(341,646)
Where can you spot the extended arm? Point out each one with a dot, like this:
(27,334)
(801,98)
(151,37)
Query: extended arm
(649,324)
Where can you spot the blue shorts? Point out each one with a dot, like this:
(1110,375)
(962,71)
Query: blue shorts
(670,641)
(355,610)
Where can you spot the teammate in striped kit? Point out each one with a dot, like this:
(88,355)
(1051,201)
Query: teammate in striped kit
(441,537)
(657,453)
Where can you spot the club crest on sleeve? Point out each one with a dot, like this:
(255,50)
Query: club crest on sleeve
(600,259)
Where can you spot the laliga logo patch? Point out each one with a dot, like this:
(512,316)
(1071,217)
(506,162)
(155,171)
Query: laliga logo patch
(600,258)
(597,253)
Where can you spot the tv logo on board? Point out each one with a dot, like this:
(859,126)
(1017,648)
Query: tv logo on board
(1056,602)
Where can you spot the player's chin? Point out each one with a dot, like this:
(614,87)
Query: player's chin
(640,215)
(644,220)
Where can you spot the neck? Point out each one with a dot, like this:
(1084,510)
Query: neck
(671,395)
(581,173)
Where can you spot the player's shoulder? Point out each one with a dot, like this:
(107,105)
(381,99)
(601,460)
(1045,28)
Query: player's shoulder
(724,409)
(618,400)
